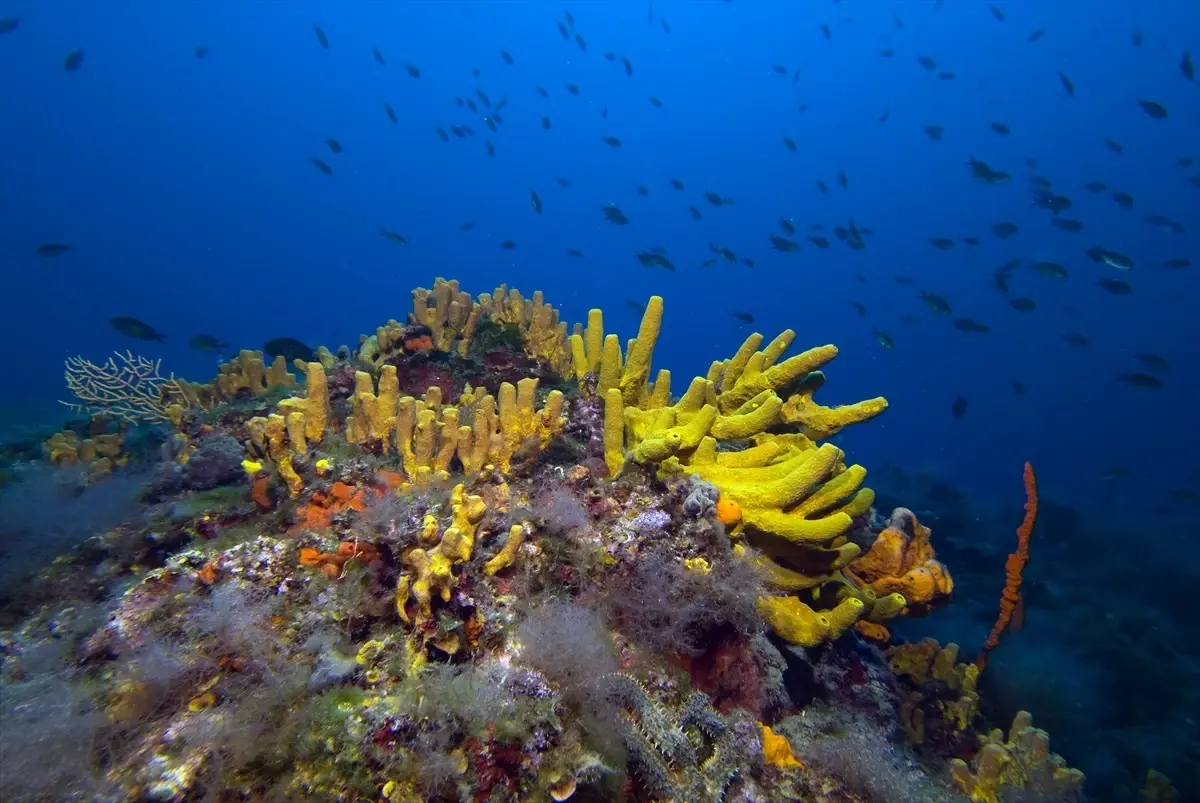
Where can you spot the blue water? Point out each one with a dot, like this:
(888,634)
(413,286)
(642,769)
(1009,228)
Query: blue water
(185,187)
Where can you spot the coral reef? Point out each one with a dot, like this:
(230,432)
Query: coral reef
(487,556)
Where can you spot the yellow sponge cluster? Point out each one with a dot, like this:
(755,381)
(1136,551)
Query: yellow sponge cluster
(794,499)
(245,375)
(428,434)
(429,568)
(1023,761)
(453,317)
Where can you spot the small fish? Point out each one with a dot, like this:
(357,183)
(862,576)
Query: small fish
(822,187)
(936,303)
(695,213)
(1137,37)
(1186,66)
(887,53)
(859,308)
(1051,201)
(1077,340)
(1115,286)
(289,348)
(393,237)
(628,65)
(74,60)
(818,241)
(391,113)
(980,171)
(614,215)
(378,57)
(333,144)
(997,13)
(789,143)
(779,69)
(928,63)
(413,70)
(1095,186)
(1001,128)
(934,132)
(845,182)
(507,245)
(9,24)
(1153,108)
(572,89)
(322,166)
(489,147)
(946,75)
(506,57)
(1185,161)
(748,262)
(1123,199)
(575,252)
(665,25)
(570,18)
(1141,381)
(1051,270)
(562,29)
(611,142)
(535,201)
(655,102)
(887,112)
(652,259)
(959,408)
(1177,263)
(1154,363)
(1023,304)
(1067,85)
(970,325)
(52,249)
(1114,146)
(1004,230)
(643,191)
(1018,388)
(884,339)
(787,226)
(783,244)
(442,135)
(322,39)
(562,181)
(744,317)
(483,98)
(132,327)
(200,52)
(1036,35)
(638,307)
(546,123)
(1066,224)
(942,243)
(714,199)
(581,42)
(968,240)
(467,226)
(826,32)
(207,343)
(542,91)
(1000,276)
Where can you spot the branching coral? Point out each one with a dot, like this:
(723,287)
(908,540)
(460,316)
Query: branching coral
(127,387)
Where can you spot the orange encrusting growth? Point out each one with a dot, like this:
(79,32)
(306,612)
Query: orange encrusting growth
(331,563)
(1011,602)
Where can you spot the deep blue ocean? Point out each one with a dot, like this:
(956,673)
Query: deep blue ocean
(183,182)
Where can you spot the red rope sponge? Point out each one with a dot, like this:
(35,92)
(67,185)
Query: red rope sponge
(1011,602)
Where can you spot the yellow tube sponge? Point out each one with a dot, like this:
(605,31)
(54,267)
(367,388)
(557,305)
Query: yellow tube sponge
(819,422)
(614,431)
(799,624)
(637,360)
(508,553)
(759,375)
